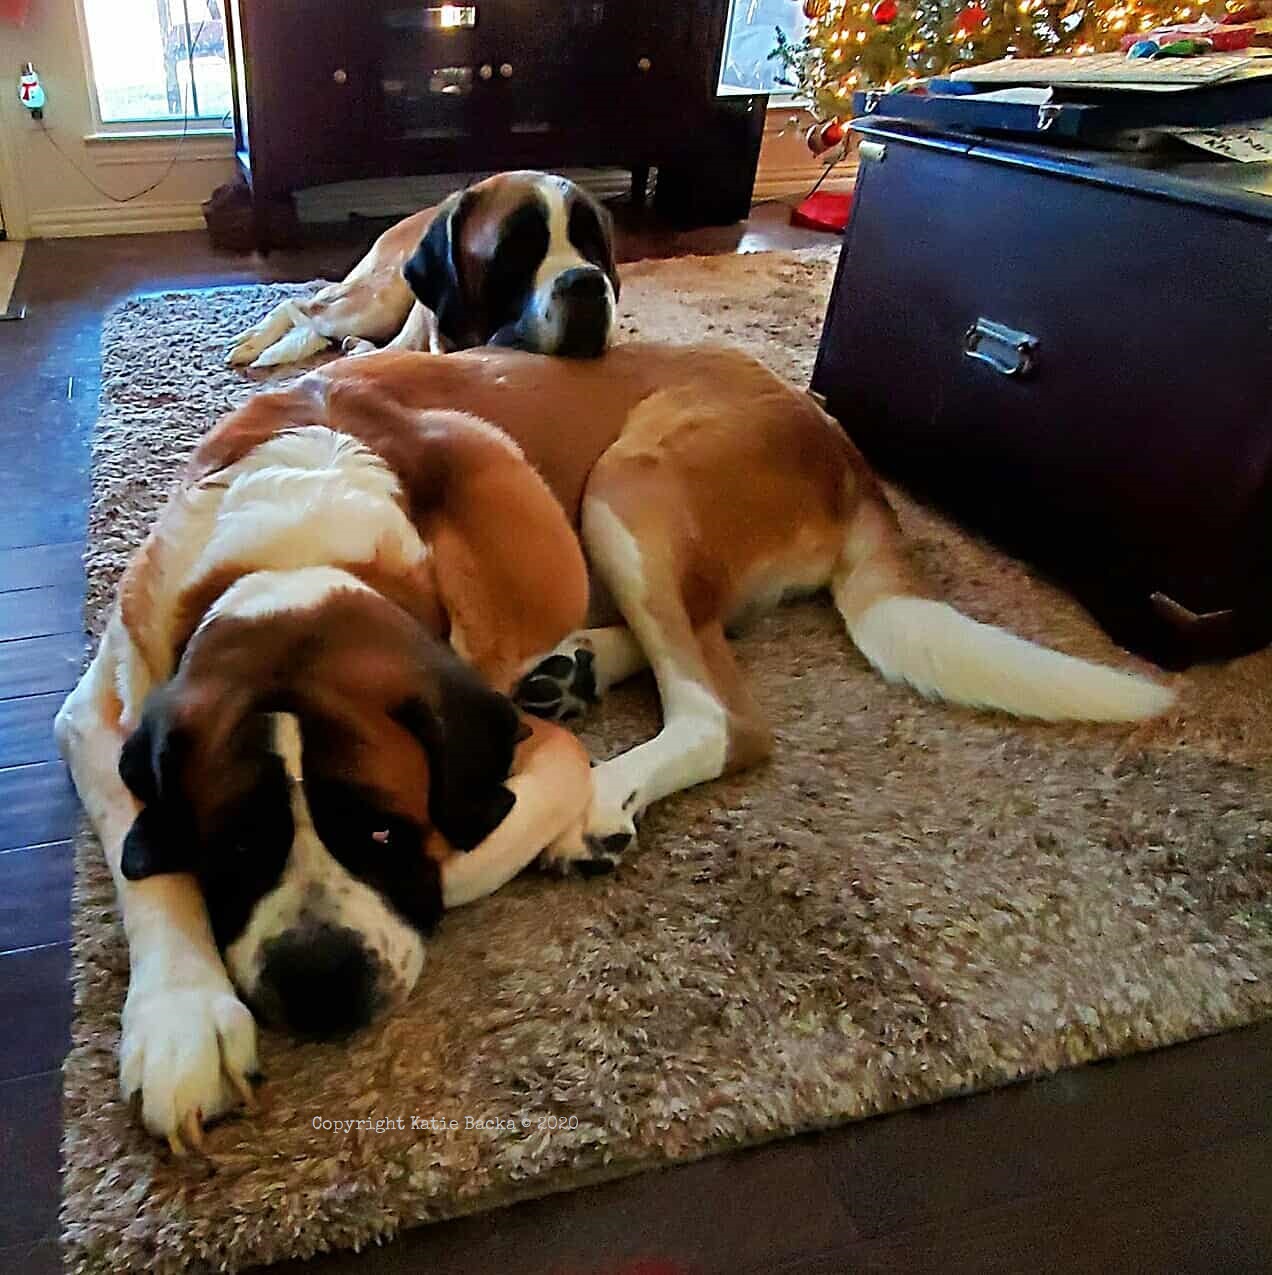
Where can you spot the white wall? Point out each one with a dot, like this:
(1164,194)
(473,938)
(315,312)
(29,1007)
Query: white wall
(41,192)
(43,196)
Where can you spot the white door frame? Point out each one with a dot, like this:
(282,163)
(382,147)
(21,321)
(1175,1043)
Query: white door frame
(16,221)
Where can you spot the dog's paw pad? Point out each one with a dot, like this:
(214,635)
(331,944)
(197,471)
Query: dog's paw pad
(604,853)
(540,695)
(560,686)
(558,667)
(593,856)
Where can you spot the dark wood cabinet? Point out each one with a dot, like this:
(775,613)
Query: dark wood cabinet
(1069,350)
(328,92)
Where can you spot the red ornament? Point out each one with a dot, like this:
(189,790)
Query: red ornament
(832,134)
(884,12)
(822,211)
(813,139)
(971,18)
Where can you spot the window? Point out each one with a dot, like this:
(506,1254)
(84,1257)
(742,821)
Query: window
(159,61)
(752,35)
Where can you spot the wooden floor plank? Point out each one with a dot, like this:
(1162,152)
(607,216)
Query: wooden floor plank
(27,522)
(35,1008)
(42,1258)
(995,1152)
(34,566)
(719,1214)
(26,729)
(38,665)
(37,805)
(1196,1214)
(28,1204)
(53,608)
(35,896)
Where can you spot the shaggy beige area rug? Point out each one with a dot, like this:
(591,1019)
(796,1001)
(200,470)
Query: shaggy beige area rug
(910,901)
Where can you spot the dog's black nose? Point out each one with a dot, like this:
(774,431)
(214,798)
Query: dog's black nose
(319,980)
(580,283)
(582,294)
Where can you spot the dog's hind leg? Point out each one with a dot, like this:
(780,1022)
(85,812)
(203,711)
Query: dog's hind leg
(640,541)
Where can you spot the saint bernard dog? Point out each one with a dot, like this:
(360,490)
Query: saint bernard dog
(323,708)
(521,259)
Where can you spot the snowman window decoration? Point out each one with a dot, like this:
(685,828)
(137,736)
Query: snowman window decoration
(31,92)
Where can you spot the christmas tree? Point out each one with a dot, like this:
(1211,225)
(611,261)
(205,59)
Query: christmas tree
(853,44)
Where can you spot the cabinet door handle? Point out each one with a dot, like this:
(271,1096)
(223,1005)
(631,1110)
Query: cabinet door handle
(643,64)
(506,70)
(1006,350)
(340,75)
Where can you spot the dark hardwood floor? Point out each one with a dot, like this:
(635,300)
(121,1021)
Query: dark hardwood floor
(1159,1162)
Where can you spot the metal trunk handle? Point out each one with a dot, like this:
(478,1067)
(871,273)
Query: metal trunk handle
(1006,350)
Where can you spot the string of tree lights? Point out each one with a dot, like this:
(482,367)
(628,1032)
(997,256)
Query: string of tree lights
(854,44)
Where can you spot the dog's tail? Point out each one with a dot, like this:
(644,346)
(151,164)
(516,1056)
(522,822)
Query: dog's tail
(912,638)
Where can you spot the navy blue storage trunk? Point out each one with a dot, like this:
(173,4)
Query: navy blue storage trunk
(1071,351)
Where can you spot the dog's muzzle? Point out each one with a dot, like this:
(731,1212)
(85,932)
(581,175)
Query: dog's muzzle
(582,298)
(571,314)
(319,980)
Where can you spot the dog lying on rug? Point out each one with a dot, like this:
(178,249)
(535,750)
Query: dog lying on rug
(298,742)
(521,259)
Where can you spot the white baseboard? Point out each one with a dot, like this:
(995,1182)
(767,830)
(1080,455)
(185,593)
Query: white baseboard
(388,198)
(114,219)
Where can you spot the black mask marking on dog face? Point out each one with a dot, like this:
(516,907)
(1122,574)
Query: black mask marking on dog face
(591,233)
(237,842)
(509,277)
(433,272)
(378,847)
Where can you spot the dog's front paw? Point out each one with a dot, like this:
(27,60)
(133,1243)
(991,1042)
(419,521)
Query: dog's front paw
(562,686)
(598,845)
(586,854)
(189,1052)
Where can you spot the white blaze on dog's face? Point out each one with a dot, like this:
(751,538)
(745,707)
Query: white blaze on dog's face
(522,259)
(303,763)
(323,948)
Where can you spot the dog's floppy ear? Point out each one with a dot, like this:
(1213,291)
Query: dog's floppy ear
(162,836)
(153,845)
(591,231)
(469,733)
(433,271)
